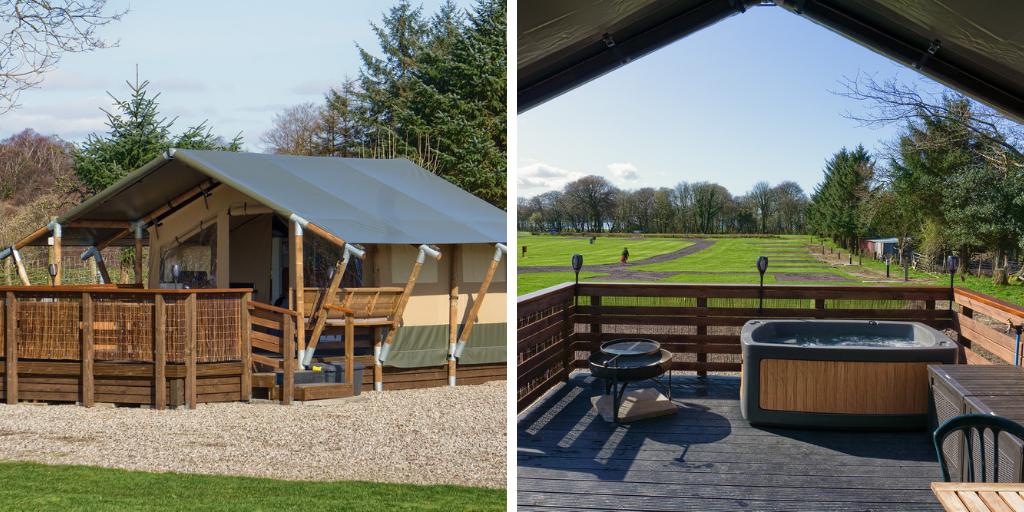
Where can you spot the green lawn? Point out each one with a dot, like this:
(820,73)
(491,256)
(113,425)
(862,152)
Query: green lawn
(543,250)
(735,255)
(533,281)
(729,255)
(37,487)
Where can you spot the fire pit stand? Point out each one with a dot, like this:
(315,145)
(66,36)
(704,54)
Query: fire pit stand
(629,360)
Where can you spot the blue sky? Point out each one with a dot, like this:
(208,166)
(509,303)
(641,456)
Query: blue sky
(234,63)
(744,100)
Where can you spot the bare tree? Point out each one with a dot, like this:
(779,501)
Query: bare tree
(295,131)
(34,34)
(892,101)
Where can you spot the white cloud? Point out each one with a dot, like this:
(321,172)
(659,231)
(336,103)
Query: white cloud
(539,177)
(623,172)
(71,119)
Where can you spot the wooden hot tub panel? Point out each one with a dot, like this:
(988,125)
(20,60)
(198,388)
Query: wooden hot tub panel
(844,387)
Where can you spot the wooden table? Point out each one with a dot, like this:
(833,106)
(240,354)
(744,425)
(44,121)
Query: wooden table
(978,497)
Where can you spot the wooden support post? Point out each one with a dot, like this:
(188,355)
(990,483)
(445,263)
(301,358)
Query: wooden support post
(160,351)
(246,327)
(298,285)
(20,265)
(702,330)
(453,312)
(819,308)
(190,351)
(396,322)
(595,328)
(320,314)
(288,351)
(474,311)
(138,258)
(350,347)
(57,256)
(378,368)
(88,355)
(567,335)
(11,349)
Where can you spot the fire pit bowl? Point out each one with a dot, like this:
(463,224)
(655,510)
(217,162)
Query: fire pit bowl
(623,361)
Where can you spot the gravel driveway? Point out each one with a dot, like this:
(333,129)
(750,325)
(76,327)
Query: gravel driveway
(429,436)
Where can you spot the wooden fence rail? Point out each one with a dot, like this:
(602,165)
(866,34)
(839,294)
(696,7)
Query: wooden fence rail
(988,323)
(122,345)
(557,328)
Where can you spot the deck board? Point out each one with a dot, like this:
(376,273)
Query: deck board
(707,457)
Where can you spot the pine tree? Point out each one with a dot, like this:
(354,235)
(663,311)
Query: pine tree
(137,134)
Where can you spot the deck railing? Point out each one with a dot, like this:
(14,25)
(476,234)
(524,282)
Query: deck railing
(143,337)
(558,327)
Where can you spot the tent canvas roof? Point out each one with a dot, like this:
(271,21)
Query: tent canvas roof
(386,201)
(975,47)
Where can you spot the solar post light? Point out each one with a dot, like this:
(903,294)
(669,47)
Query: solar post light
(577,265)
(175,273)
(951,263)
(762,266)
(53,273)
(887,260)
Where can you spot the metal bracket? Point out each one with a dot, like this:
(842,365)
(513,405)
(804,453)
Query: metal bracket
(932,48)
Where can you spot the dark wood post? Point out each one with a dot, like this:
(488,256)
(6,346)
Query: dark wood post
(350,347)
(595,328)
(246,327)
(88,355)
(190,351)
(160,351)
(702,331)
(567,329)
(11,350)
(819,308)
(288,351)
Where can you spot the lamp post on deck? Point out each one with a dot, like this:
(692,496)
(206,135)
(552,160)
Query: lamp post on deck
(762,266)
(951,263)
(577,265)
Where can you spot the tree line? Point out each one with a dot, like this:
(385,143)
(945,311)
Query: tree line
(593,204)
(951,183)
(435,94)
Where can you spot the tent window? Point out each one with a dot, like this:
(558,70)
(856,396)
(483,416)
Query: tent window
(320,256)
(196,257)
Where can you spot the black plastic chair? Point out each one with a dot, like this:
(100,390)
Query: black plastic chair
(971,425)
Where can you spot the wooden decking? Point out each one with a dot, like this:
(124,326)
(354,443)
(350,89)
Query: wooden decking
(708,458)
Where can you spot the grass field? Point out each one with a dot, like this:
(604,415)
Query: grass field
(544,250)
(730,260)
(38,488)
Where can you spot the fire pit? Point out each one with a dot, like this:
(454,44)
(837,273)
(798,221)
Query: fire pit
(628,360)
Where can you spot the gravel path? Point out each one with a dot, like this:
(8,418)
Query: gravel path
(699,244)
(430,436)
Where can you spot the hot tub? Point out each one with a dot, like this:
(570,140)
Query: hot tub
(855,374)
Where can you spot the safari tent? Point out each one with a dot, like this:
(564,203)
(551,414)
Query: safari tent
(373,262)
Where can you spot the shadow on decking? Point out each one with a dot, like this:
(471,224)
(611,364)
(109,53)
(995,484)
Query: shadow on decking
(706,457)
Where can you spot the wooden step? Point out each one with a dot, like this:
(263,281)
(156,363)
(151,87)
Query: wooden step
(322,391)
